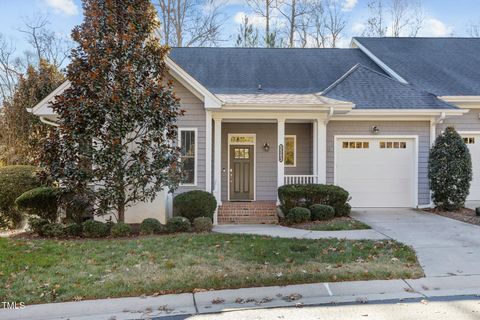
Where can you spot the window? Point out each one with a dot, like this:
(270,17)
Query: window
(188,150)
(356,145)
(469,140)
(393,145)
(290,151)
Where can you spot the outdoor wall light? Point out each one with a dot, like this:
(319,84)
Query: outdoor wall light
(375,130)
(266,146)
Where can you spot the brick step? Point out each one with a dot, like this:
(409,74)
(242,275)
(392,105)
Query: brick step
(258,212)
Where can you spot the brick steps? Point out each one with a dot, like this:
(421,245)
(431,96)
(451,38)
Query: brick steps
(257,212)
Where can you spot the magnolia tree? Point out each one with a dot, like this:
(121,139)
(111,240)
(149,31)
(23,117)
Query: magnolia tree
(117,120)
(449,170)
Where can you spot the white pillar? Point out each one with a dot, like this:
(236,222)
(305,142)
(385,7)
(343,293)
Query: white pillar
(321,151)
(217,166)
(315,148)
(208,151)
(433,132)
(280,152)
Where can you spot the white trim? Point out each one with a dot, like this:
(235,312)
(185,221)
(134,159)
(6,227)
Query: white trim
(379,62)
(463,101)
(195,178)
(208,151)
(315,148)
(254,144)
(294,165)
(416,155)
(217,166)
(280,142)
(321,151)
(468,132)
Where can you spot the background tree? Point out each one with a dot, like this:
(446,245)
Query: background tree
(449,170)
(118,118)
(473,30)
(292,11)
(264,9)
(247,34)
(22,131)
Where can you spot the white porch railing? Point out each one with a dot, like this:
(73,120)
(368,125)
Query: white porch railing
(300,179)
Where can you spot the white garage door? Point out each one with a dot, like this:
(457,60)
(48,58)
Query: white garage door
(473,143)
(378,172)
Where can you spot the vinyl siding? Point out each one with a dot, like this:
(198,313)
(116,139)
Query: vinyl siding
(467,122)
(420,128)
(303,131)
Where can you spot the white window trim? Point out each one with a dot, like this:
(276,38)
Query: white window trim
(195,180)
(294,165)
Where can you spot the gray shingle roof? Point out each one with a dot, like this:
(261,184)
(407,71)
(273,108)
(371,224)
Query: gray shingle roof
(287,71)
(443,66)
(369,89)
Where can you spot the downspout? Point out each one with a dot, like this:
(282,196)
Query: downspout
(329,115)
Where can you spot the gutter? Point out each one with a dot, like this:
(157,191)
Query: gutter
(49,122)
(441,118)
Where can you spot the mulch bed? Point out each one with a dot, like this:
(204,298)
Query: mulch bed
(464,215)
(311,224)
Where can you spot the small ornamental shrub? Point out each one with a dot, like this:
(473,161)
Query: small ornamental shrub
(178,224)
(344,210)
(202,224)
(14,180)
(73,230)
(194,204)
(449,170)
(53,230)
(121,230)
(298,215)
(150,226)
(306,195)
(322,212)
(95,229)
(36,224)
(78,208)
(41,201)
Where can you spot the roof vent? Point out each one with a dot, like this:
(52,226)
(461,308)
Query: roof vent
(259,87)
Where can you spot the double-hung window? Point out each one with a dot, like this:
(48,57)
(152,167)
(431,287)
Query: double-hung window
(188,147)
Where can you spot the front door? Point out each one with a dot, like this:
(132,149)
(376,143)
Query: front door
(241,173)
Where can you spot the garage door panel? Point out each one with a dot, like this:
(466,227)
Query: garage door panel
(473,143)
(380,175)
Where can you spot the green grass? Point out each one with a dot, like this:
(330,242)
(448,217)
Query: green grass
(39,271)
(337,225)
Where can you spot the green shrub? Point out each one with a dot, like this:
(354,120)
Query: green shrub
(306,195)
(121,230)
(194,204)
(53,230)
(36,224)
(14,180)
(78,207)
(298,215)
(202,224)
(150,226)
(343,211)
(178,224)
(73,230)
(449,170)
(95,229)
(321,212)
(41,201)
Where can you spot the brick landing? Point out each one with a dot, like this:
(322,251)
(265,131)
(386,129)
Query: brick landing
(264,212)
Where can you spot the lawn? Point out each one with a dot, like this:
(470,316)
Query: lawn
(337,224)
(38,271)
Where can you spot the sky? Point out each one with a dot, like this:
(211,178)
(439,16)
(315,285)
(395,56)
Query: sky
(443,17)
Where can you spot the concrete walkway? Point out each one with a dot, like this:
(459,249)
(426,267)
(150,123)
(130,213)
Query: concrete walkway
(285,232)
(250,298)
(444,246)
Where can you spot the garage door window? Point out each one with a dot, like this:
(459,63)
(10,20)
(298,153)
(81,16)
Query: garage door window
(356,145)
(393,145)
(469,140)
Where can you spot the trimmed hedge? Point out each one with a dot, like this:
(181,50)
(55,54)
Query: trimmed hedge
(150,226)
(95,229)
(321,212)
(202,224)
(36,224)
(41,201)
(121,230)
(178,224)
(194,204)
(306,195)
(73,230)
(14,180)
(298,215)
(53,230)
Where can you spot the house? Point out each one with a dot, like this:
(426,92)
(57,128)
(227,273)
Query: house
(363,118)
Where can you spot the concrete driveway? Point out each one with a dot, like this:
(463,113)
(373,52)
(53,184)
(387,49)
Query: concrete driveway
(444,246)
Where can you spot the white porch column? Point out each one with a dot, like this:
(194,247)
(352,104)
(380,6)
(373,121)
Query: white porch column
(321,151)
(217,187)
(315,148)
(208,151)
(280,152)
(433,132)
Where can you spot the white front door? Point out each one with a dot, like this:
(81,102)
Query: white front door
(377,172)
(473,143)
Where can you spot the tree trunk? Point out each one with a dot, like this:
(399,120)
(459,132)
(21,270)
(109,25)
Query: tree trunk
(121,211)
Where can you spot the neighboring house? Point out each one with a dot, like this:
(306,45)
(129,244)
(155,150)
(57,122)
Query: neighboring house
(361,118)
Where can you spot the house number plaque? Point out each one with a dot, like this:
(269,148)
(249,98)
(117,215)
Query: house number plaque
(280,153)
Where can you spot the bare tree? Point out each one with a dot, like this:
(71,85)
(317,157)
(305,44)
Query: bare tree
(264,8)
(335,22)
(473,30)
(318,31)
(186,23)
(247,34)
(10,69)
(376,21)
(292,11)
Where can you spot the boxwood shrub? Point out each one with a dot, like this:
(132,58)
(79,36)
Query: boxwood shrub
(178,224)
(194,204)
(95,229)
(121,230)
(150,226)
(202,224)
(41,201)
(14,180)
(306,195)
(321,212)
(53,230)
(73,230)
(36,224)
(298,215)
